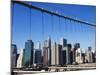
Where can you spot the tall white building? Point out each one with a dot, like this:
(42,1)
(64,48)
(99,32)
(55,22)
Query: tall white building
(53,56)
(56,55)
(59,57)
(20,59)
(89,57)
(79,58)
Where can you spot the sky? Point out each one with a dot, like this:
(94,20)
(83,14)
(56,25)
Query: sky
(44,25)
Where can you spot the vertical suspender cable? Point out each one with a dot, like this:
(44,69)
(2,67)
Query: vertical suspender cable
(52,25)
(30,22)
(75,31)
(12,22)
(68,27)
(59,27)
(88,35)
(42,25)
(65,30)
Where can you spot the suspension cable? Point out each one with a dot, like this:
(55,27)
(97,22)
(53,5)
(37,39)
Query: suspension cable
(52,25)
(12,21)
(59,29)
(54,13)
(42,24)
(30,22)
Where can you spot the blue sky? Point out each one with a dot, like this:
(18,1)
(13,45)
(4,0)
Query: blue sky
(53,26)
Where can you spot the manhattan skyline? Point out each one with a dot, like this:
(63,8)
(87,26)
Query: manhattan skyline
(70,30)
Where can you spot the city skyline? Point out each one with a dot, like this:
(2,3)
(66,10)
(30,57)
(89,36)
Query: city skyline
(73,32)
(50,37)
(40,45)
(51,54)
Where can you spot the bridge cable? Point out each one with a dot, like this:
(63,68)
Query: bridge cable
(12,19)
(42,25)
(65,32)
(59,29)
(30,22)
(52,25)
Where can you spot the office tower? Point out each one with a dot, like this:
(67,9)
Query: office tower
(68,56)
(83,56)
(28,54)
(89,48)
(13,55)
(63,42)
(38,46)
(79,58)
(64,56)
(89,55)
(71,57)
(38,56)
(94,56)
(49,47)
(74,54)
(58,55)
(47,52)
(20,59)
(53,54)
(76,46)
(45,56)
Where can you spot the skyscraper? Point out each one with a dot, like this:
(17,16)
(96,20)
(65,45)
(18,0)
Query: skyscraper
(56,54)
(38,46)
(68,52)
(49,47)
(38,56)
(45,56)
(64,56)
(79,57)
(20,59)
(13,55)
(63,42)
(59,60)
(76,46)
(28,53)
(53,54)
(89,55)
(47,52)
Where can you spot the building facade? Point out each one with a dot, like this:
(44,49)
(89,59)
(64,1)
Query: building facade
(28,54)
(13,55)
(89,55)
(47,52)
(38,56)
(68,52)
(58,55)
(53,54)
(45,56)
(20,59)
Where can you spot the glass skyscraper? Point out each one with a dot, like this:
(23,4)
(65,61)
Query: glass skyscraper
(13,55)
(28,54)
